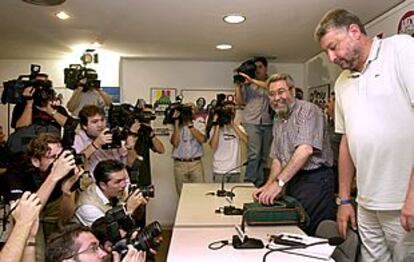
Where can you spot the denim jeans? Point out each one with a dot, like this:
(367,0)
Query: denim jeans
(258,148)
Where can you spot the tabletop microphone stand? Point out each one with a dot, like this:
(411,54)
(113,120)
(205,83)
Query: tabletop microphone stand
(222,192)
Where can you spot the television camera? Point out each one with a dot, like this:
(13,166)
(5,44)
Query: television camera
(122,116)
(79,75)
(185,110)
(248,67)
(43,90)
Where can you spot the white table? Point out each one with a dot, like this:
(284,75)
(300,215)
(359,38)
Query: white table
(191,244)
(196,207)
(197,225)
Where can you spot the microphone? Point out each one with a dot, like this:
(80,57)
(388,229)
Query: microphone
(242,241)
(222,192)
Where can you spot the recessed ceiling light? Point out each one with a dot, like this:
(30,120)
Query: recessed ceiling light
(44,2)
(224,46)
(234,19)
(62,15)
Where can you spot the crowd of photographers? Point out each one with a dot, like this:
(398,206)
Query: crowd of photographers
(84,169)
(89,170)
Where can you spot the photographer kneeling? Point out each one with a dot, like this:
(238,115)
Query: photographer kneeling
(108,191)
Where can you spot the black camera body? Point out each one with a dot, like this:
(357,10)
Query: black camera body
(148,238)
(248,67)
(13,89)
(146,191)
(118,135)
(186,113)
(77,75)
(107,229)
(122,117)
(224,114)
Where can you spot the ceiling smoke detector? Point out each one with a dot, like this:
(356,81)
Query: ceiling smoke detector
(44,2)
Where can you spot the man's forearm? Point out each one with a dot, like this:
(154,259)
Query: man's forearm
(410,192)
(74,100)
(175,137)
(67,206)
(346,169)
(275,170)
(46,189)
(296,162)
(106,98)
(239,95)
(157,145)
(26,118)
(16,243)
(198,135)
(215,138)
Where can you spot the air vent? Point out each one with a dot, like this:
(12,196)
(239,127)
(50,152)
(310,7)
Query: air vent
(45,2)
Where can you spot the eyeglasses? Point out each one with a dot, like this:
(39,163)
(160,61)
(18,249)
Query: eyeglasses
(279,92)
(94,248)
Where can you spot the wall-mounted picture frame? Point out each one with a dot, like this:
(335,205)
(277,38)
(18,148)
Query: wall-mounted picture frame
(161,97)
(114,92)
(319,95)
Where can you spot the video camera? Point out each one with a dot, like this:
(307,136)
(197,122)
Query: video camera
(248,67)
(219,107)
(108,229)
(146,191)
(186,112)
(79,75)
(13,89)
(120,119)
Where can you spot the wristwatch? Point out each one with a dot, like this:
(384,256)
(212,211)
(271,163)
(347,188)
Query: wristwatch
(341,202)
(280,183)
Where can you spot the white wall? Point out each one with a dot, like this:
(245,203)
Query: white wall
(318,70)
(139,75)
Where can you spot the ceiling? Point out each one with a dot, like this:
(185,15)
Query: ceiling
(173,29)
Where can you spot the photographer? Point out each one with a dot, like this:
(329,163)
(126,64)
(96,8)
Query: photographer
(45,170)
(94,135)
(83,96)
(146,140)
(225,142)
(251,91)
(80,244)
(19,245)
(187,141)
(38,106)
(108,191)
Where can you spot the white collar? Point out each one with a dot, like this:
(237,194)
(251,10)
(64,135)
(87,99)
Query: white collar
(101,195)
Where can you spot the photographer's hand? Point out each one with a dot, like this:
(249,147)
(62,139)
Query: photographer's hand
(28,94)
(248,78)
(62,166)
(135,200)
(132,255)
(68,183)
(105,137)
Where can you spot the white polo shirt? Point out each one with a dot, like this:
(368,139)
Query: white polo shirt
(375,109)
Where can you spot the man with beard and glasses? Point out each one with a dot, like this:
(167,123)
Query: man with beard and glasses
(301,153)
(374,112)
(79,244)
